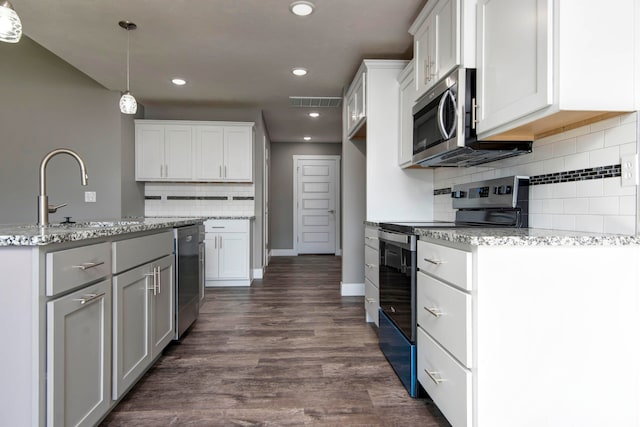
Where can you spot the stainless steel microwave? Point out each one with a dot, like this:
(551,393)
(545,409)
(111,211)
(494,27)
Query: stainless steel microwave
(444,132)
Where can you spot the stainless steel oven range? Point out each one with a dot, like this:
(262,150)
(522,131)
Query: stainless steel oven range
(502,202)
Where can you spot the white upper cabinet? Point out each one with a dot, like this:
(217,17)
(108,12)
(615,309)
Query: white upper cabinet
(544,65)
(194,151)
(238,153)
(209,159)
(444,37)
(356,104)
(163,153)
(405,128)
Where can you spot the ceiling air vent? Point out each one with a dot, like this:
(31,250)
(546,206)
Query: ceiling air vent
(315,101)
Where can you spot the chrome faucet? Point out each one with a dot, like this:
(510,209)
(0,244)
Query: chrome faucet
(43,204)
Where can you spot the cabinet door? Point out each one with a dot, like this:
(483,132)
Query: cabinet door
(425,59)
(447,38)
(514,60)
(131,343)
(178,152)
(356,105)
(238,153)
(149,152)
(211,256)
(79,356)
(407,99)
(209,153)
(163,306)
(233,257)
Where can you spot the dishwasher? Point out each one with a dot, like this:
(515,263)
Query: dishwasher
(187,270)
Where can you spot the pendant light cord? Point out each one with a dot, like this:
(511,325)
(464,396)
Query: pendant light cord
(128,31)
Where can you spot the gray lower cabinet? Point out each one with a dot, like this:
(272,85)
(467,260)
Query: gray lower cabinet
(79,356)
(143,320)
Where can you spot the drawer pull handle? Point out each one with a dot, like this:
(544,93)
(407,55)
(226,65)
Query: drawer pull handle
(433,311)
(371,238)
(434,261)
(88,265)
(370,265)
(433,377)
(89,298)
(370,300)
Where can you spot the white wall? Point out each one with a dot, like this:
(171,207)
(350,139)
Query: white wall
(578,204)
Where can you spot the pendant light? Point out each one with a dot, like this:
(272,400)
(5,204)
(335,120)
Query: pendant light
(10,25)
(128,104)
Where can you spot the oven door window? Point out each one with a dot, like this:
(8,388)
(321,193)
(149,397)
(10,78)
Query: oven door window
(396,285)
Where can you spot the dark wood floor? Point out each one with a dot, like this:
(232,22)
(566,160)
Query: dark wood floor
(288,351)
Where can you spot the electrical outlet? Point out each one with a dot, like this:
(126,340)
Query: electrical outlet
(90,196)
(629,170)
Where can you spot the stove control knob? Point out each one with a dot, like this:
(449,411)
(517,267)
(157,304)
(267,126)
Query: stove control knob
(458,194)
(502,189)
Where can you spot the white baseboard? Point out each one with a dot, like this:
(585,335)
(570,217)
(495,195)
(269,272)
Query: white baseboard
(284,252)
(351,289)
(226,283)
(258,273)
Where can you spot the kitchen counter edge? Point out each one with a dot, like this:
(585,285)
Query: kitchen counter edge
(526,237)
(33,235)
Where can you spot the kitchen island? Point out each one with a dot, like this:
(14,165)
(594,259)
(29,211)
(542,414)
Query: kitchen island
(529,327)
(88,308)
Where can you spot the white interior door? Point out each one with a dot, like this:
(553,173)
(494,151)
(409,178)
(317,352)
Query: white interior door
(317,211)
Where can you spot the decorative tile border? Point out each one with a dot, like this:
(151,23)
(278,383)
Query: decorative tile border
(577,175)
(197,198)
(441,191)
(599,172)
(153,197)
(242,198)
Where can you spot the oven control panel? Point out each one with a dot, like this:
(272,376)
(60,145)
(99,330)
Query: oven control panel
(493,193)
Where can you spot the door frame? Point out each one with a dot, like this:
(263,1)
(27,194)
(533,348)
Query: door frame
(336,159)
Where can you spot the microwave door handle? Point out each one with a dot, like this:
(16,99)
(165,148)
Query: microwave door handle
(446,133)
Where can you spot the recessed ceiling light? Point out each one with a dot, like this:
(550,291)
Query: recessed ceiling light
(301,8)
(179,82)
(307,138)
(299,71)
(314,115)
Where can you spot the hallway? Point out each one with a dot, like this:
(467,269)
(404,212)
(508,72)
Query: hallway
(288,351)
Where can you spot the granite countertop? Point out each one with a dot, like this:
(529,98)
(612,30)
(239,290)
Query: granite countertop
(371,224)
(484,236)
(231,217)
(33,235)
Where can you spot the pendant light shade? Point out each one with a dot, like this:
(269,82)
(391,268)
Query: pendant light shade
(10,25)
(128,104)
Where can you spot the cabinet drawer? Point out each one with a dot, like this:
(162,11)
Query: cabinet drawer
(450,265)
(371,300)
(140,250)
(371,237)
(371,266)
(71,268)
(445,313)
(226,225)
(449,384)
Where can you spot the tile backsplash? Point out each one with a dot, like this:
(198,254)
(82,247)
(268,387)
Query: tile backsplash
(198,199)
(575,179)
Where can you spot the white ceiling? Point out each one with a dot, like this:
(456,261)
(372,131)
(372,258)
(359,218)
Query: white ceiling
(233,53)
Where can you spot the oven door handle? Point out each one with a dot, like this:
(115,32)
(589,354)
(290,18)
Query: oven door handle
(394,237)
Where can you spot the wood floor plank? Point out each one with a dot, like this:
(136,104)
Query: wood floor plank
(287,351)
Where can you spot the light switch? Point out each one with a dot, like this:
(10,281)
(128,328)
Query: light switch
(90,196)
